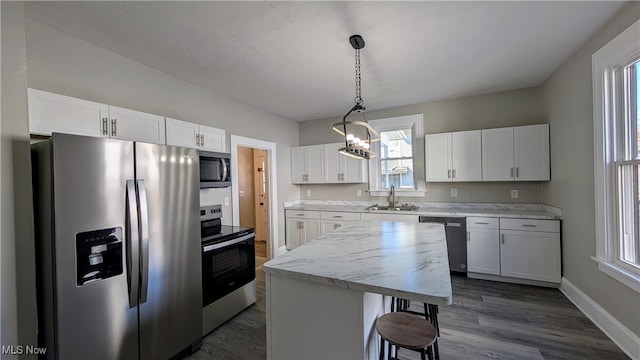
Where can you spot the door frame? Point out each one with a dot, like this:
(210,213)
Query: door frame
(270,147)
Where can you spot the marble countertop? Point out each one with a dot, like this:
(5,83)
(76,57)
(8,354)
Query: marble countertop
(407,260)
(524,211)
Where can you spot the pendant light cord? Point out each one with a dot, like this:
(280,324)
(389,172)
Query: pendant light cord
(358,98)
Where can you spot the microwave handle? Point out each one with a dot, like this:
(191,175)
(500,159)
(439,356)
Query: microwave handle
(224,170)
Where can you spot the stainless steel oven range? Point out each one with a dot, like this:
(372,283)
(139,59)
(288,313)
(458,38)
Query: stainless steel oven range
(228,268)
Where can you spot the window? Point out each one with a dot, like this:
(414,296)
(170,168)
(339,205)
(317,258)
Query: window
(399,162)
(396,159)
(616,88)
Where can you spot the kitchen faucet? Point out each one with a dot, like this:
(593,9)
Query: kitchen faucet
(392,194)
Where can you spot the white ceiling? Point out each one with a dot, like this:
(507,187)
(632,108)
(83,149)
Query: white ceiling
(294,59)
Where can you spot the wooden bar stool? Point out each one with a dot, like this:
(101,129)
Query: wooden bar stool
(430,313)
(407,331)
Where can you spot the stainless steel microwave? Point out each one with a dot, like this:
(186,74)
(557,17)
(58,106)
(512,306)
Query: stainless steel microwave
(215,170)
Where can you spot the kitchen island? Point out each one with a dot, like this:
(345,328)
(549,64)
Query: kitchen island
(323,297)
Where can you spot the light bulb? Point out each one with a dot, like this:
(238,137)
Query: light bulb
(356,141)
(366,146)
(350,137)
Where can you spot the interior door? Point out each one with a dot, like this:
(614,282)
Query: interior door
(171,261)
(261,183)
(94,320)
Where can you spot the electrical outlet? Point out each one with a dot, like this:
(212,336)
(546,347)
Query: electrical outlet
(514,194)
(226,201)
(308,193)
(454,192)
(359,192)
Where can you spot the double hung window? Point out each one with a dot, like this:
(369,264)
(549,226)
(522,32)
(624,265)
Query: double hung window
(616,89)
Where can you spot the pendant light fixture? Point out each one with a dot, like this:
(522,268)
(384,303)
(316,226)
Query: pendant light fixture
(353,145)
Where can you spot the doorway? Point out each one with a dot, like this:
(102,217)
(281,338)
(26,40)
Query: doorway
(259,191)
(253,196)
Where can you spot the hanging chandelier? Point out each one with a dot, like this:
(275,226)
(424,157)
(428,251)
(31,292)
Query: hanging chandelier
(354,146)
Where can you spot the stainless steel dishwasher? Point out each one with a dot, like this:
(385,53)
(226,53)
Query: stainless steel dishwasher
(456,234)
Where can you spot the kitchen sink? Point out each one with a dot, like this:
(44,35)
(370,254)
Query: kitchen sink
(393,208)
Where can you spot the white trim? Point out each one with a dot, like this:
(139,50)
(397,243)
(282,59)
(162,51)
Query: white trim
(604,61)
(273,186)
(614,329)
(416,123)
(619,273)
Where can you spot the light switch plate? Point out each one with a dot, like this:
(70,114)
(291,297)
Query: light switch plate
(514,194)
(226,201)
(454,192)
(241,193)
(359,192)
(308,193)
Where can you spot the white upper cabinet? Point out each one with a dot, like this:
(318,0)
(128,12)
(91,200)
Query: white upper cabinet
(516,154)
(182,133)
(212,139)
(340,168)
(136,126)
(454,156)
(186,134)
(497,154)
(49,112)
(531,152)
(438,157)
(306,164)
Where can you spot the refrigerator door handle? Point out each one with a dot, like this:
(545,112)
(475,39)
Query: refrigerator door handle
(144,237)
(133,245)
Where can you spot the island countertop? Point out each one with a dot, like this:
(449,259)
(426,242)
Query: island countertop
(407,260)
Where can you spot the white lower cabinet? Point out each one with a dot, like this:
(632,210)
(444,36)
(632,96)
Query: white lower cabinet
(391,217)
(483,245)
(515,248)
(331,220)
(302,226)
(533,253)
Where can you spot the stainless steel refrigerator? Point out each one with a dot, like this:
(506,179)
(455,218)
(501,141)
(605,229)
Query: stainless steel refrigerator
(119,257)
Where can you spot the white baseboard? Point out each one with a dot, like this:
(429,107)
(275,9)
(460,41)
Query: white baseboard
(614,329)
(281,250)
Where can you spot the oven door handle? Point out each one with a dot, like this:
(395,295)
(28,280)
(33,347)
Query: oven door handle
(227,243)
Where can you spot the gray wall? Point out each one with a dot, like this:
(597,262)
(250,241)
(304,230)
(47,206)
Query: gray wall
(508,108)
(62,64)
(567,104)
(18,291)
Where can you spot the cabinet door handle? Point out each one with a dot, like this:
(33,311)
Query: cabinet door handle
(202,139)
(502,236)
(469,236)
(511,172)
(529,225)
(481,223)
(299,214)
(337,216)
(301,225)
(113,127)
(517,172)
(448,173)
(453,174)
(105,130)
(197,139)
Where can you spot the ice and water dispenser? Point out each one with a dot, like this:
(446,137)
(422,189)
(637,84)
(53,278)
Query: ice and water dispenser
(99,255)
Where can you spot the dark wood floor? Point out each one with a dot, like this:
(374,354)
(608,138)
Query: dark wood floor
(487,320)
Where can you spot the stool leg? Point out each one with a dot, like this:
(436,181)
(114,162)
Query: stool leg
(422,355)
(436,352)
(381,354)
(430,353)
